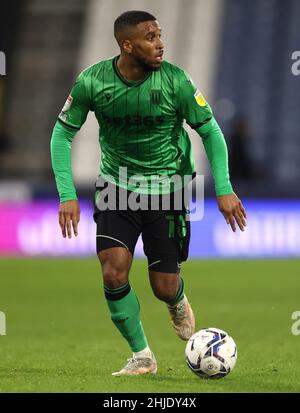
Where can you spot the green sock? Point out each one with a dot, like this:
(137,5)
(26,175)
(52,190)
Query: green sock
(125,313)
(179,295)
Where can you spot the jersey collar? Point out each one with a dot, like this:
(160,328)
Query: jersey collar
(126,81)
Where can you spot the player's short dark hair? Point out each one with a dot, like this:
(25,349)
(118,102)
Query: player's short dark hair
(131,18)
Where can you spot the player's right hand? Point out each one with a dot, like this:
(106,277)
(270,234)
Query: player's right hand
(69,216)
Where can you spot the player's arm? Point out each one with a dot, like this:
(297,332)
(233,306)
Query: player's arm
(216,149)
(70,120)
(199,116)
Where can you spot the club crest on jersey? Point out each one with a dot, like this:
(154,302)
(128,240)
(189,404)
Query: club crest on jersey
(68,104)
(200,98)
(156,96)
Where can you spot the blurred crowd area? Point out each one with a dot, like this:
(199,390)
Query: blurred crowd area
(238,52)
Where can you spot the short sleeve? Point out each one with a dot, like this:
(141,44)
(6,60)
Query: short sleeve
(192,105)
(77,105)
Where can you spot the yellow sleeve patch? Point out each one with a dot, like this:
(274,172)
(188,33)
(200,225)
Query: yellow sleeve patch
(200,98)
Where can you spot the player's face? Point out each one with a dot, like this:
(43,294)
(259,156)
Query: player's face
(147,47)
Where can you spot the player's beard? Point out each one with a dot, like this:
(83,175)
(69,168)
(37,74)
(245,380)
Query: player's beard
(146,66)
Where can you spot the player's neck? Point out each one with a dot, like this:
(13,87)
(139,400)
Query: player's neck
(130,69)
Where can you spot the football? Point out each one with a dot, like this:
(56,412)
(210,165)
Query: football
(211,353)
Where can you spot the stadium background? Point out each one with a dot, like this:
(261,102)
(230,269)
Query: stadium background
(239,53)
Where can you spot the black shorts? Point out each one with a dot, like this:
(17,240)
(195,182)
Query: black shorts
(165,233)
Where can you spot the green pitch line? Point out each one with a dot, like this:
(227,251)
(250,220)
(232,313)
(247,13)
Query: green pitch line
(60,338)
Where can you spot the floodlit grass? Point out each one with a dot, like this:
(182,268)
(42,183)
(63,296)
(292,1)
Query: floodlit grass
(60,337)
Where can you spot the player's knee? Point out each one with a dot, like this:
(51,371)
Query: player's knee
(164,294)
(113,277)
(115,266)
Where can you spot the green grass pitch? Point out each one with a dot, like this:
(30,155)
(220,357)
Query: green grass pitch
(60,337)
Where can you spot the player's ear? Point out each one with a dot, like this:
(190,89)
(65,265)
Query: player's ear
(127,46)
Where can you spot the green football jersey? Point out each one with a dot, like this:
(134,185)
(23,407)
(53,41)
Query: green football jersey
(141,131)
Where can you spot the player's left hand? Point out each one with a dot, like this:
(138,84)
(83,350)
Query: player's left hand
(233,211)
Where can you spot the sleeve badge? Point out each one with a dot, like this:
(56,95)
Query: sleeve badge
(200,98)
(68,104)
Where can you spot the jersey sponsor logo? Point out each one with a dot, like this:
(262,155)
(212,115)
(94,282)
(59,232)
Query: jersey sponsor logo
(200,98)
(155,97)
(133,120)
(68,104)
